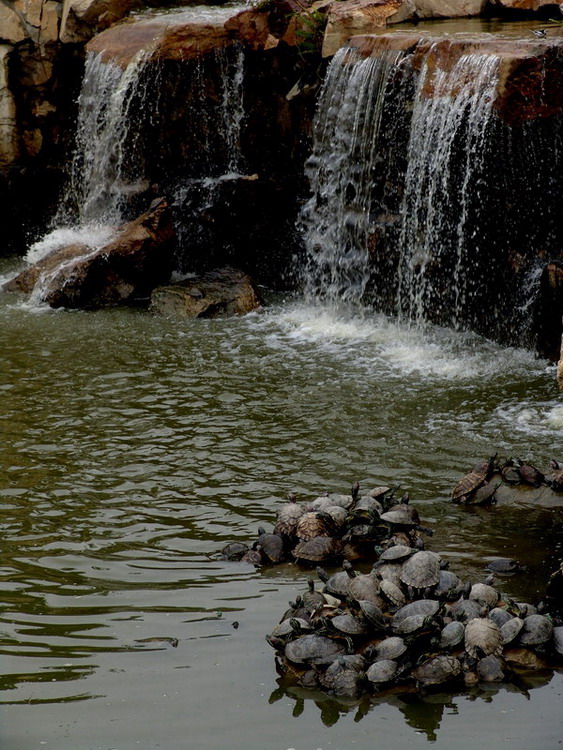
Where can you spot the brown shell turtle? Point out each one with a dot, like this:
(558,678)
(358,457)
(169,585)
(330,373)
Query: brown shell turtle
(437,670)
(315,523)
(482,637)
(470,482)
(288,516)
(421,571)
(317,549)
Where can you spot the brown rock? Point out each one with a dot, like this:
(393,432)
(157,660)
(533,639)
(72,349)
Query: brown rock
(11,28)
(216,294)
(82,19)
(8,125)
(128,267)
(449,8)
(523,4)
(352,17)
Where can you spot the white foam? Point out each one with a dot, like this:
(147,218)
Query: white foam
(533,419)
(94,236)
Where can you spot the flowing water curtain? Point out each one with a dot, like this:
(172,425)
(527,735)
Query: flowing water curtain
(336,220)
(115,106)
(440,244)
(232,110)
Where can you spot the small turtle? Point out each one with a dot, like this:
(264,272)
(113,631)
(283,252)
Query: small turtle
(313,649)
(556,475)
(500,616)
(390,648)
(503,565)
(537,630)
(484,594)
(296,609)
(510,472)
(421,571)
(254,557)
(396,554)
(470,482)
(419,607)
(365,586)
(336,584)
(311,598)
(347,624)
(369,503)
(465,609)
(345,501)
(511,629)
(271,545)
(372,614)
(490,669)
(338,516)
(483,495)
(234,551)
(383,671)
(452,635)
(392,593)
(291,628)
(343,677)
(449,586)
(414,625)
(390,572)
(288,516)
(524,658)
(558,639)
(437,670)
(482,637)
(530,474)
(317,549)
(315,523)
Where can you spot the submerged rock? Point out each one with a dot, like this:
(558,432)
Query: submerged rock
(216,294)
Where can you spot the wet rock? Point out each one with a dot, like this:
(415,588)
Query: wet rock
(219,293)
(125,269)
(449,8)
(522,4)
(82,19)
(11,27)
(8,125)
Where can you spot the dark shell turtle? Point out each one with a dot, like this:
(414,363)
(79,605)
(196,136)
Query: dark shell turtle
(465,609)
(367,502)
(382,671)
(437,670)
(483,495)
(392,593)
(345,501)
(317,549)
(470,482)
(315,523)
(503,565)
(288,517)
(396,554)
(537,630)
(482,637)
(414,625)
(296,609)
(254,557)
(372,614)
(530,474)
(558,639)
(347,624)
(421,571)
(484,594)
(365,586)
(500,616)
(511,629)
(343,677)
(311,598)
(390,648)
(390,572)
(425,607)
(524,658)
(271,546)
(234,551)
(452,635)
(313,649)
(449,585)
(490,669)
(336,584)
(338,515)
(556,475)
(291,628)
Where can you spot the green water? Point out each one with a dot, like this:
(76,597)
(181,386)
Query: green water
(134,448)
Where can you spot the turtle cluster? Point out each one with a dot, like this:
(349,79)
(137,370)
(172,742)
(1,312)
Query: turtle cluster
(334,527)
(478,487)
(409,623)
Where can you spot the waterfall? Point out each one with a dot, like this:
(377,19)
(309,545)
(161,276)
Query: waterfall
(336,220)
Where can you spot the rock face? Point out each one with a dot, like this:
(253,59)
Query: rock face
(351,17)
(216,294)
(122,271)
(449,8)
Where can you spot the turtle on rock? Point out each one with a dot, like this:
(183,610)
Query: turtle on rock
(472,481)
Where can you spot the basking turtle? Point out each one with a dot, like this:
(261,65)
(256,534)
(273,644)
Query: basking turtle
(530,474)
(296,609)
(348,625)
(291,628)
(452,636)
(484,594)
(437,670)
(482,637)
(404,517)
(465,609)
(390,648)
(343,677)
(271,546)
(421,571)
(371,613)
(288,516)
(449,586)
(396,554)
(490,669)
(425,607)
(510,472)
(315,523)
(392,593)
(234,551)
(414,625)
(313,649)
(390,572)
(483,495)
(336,584)
(365,586)
(383,671)
(500,616)
(503,565)
(311,598)
(556,475)
(511,629)
(536,631)
(317,549)
(470,482)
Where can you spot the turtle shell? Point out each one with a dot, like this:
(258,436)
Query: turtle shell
(425,607)
(398,517)
(234,551)
(421,571)
(412,624)
(490,669)
(449,585)
(537,629)
(372,613)
(343,677)
(382,671)
(392,593)
(470,482)
(465,610)
(482,637)
(500,616)
(313,649)
(484,594)
(290,627)
(348,624)
(314,523)
(317,549)
(337,584)
(452,635)
(271,546)
(365,586)
(503,565)
(511,629)
(390,572)
(288,517)
(397,553)
(437,670)
(390,648)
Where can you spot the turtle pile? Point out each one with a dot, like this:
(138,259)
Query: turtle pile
(334,527)
(408,624)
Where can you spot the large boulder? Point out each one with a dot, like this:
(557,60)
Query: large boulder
(219,293)
(126,269)
(449,8)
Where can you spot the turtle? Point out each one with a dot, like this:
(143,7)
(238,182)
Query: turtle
(234,551)
(313,649)
(558,639)
(288,516)
(482,637)
(392,647)
(556,475)
(254,557)
(345,501)
(390,572)
(367,502)
(312,598)
(347,625)
(537,630)
(382,671)
(271,545)
(315,523)
(503,565)
(338,515)
(483,495)
(524,658)
(296,609)
(465,609)
(500,616)
(510,472)
(396,554)
(404,519)
(343,677)
(530,474)
(490,669)
(470,482)
(317,549)
(426,607)
(484,594)
(511,629)
(365,586)
(371,613)
(336,584)
(291,628)
(437,670)
(421,571)
(449,585)
(392,593)
(452,635)
(414,625)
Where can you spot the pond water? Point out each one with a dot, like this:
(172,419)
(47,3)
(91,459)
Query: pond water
(135,447)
